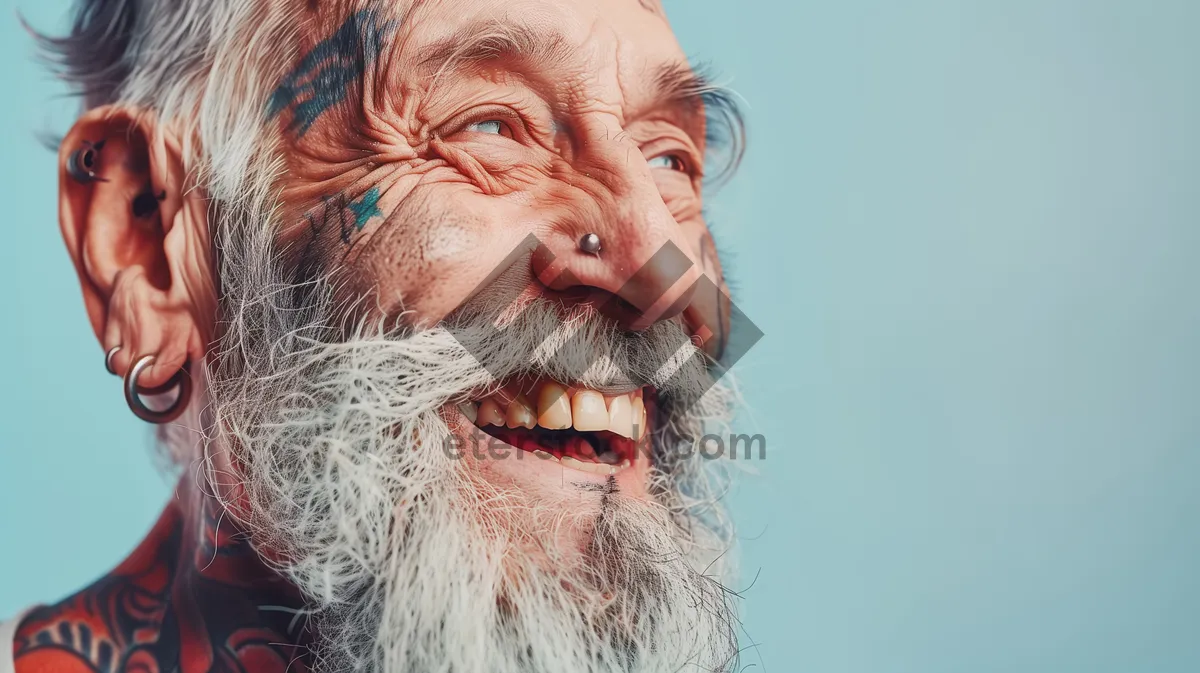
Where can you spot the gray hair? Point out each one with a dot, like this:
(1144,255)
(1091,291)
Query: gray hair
(202,65)
(203,69)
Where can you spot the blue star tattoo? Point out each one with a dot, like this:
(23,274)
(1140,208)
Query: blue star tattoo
(365,208)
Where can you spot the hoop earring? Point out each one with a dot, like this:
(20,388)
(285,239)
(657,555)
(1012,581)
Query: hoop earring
(108,365)
(133,392)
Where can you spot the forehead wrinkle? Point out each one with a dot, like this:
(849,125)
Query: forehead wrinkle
(494,41)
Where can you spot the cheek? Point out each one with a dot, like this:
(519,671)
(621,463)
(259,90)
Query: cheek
(452,243)
(710,259)
(432,253)
(709,313)
(697,234)
(680,195)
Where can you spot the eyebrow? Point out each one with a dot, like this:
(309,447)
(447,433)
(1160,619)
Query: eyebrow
(677,85)
(687,90)
(693,91)
(487,41)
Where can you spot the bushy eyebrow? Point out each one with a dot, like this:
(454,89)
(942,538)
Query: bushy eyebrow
(694,90)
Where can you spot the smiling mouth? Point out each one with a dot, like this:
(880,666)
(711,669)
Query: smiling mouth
(580,429)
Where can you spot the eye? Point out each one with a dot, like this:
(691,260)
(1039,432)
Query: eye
(669,161)
(490,126)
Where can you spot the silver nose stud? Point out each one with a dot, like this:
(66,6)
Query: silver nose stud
(590,243)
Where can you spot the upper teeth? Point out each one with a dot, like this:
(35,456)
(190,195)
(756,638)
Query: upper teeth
(559,409)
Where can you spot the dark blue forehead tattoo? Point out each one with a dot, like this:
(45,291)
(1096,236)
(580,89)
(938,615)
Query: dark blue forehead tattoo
(323,78)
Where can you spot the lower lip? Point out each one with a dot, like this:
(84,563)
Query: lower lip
(489,450)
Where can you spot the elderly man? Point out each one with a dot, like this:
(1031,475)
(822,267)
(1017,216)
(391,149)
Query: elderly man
(422,297)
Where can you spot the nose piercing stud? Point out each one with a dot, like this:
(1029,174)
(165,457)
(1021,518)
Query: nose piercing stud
(590,243)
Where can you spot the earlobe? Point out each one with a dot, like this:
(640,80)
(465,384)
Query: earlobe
(124,219)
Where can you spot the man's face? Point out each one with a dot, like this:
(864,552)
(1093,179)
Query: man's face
(425,144)
(460,431)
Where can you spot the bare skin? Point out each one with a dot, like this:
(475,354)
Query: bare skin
(428,168)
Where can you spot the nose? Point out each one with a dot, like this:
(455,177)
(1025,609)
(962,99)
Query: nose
(644,270)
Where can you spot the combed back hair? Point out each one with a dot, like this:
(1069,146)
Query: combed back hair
(143,52)
(92,58)
(204,65)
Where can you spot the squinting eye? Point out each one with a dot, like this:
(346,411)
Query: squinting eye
(668,161)
(492,126)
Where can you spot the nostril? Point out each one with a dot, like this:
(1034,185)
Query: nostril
(623,283)
(624,313)
(602,301)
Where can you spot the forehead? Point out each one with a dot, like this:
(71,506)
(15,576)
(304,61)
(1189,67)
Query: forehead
(622,44)
(583,23)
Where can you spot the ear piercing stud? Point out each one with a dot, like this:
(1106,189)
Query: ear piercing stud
(81,164)
(590,243)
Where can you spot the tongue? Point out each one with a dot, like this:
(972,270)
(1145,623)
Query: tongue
(580,447)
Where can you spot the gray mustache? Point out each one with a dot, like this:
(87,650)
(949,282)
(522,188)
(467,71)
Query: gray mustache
(579,346)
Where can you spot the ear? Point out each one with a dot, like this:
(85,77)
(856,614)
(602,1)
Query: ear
(139,239)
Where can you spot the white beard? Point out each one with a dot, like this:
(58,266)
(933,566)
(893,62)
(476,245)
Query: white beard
(411,561)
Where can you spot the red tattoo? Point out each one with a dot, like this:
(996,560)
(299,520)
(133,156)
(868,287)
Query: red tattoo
(192,598)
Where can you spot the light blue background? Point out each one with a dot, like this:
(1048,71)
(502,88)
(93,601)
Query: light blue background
(970,232)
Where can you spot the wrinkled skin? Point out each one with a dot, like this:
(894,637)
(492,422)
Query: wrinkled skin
(573,156)
(462,164)
(410,190)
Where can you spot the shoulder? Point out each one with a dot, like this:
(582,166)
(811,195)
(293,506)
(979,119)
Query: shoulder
(106,626)
(66,638)
(8,629)
(101,628)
